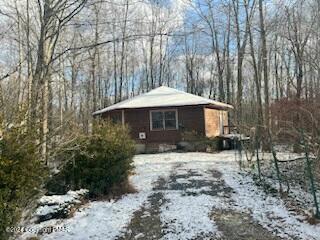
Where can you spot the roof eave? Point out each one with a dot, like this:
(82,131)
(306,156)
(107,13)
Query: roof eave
(222,106)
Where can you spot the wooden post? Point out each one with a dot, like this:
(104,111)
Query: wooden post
(122,117)
(257,155)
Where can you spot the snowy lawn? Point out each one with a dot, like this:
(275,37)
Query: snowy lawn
(185,196)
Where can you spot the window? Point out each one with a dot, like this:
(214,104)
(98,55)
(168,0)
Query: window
(163,120)
(157,120)
(170,121)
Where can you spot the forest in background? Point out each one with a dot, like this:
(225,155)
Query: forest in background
(62,60)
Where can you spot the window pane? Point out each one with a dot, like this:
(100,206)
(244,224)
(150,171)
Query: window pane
(157,120)
(170,115)
(170,124)
(157,124)
(170,120)
(157,116)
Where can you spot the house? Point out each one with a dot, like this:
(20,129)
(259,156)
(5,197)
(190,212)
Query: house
(163,114)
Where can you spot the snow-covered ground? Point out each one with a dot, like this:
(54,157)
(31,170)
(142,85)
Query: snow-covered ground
(293,174)
(193,187)
(49,206)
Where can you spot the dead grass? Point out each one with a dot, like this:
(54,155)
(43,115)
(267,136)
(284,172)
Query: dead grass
(75,208)
(313,220)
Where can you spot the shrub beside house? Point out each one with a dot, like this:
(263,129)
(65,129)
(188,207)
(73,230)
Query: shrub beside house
(99,162)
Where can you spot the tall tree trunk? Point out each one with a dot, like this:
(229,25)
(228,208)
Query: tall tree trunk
(257,81)
(160,62)
(241,45)
(264,63)
(124,30)
(228,74)
(115,76)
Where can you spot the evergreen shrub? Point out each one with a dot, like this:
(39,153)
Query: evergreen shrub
(97,162)
(21,176)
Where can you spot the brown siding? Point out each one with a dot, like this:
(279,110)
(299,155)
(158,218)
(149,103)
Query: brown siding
(115,115)
(190,118)
(212,121)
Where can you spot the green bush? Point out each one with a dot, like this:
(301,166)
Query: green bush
(96,162)
(21,176)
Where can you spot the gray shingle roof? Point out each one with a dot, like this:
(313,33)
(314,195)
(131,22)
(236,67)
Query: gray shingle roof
(163,97)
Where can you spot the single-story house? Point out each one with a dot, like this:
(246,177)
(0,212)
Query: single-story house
(163,114)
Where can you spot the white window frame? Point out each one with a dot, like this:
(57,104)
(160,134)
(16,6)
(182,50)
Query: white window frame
(164,125)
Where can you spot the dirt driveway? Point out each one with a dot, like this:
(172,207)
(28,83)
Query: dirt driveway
(187,196)
(193,184)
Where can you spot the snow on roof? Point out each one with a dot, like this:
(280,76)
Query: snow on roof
(163,97)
